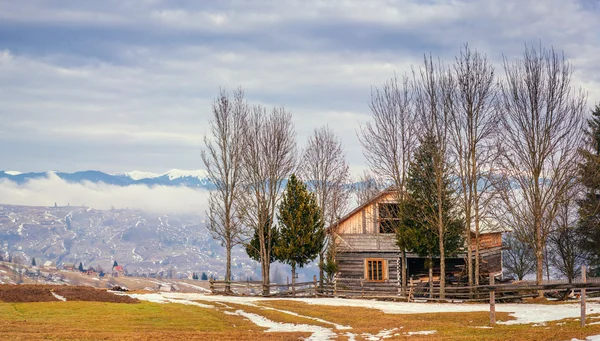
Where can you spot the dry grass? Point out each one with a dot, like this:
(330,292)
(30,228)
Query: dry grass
(448,326)
(109,321)
(152,321)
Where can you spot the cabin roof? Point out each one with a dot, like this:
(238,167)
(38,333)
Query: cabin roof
(388,190)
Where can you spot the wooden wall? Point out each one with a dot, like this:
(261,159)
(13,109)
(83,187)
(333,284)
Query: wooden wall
(364,219)
(352,264)
(366,242)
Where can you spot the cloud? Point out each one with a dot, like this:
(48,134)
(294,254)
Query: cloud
(52,189)
(128,84)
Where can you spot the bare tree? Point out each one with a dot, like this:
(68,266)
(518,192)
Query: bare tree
(541,132)
(366,187)
(565,241)
(518,258)
(222,159)
(389,141)
(326,172)
(269,157)
(434,105)
(474,125)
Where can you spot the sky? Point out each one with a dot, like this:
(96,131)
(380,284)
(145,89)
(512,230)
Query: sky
(121,85)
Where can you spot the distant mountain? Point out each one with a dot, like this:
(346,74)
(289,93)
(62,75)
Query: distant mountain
(174,177)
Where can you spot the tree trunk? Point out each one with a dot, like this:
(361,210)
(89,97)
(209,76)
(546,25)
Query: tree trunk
(403,265)
(442,268)
(293,279)
(477,263)
(321,266)
(430,258)
(539,255)
(228,266)
(441,240)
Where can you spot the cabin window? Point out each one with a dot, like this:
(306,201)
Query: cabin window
(389,217)
(375,270)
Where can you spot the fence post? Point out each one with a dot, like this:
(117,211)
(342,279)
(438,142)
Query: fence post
(212,286)
(315,283)
(411,289)
(583,292)
(492,303)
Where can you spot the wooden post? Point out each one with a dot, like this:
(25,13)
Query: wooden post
(411,289)
(492,303)
(315,283)
(583,280)
(212,286)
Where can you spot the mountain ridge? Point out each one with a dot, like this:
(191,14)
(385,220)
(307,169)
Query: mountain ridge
(174,177)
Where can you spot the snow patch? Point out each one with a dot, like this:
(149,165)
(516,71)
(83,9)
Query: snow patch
(137,175)
(423,332)
(58,296)
(318,333)
(384,334)
(158,298)
(12,172)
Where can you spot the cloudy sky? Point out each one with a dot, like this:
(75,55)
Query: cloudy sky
(120,85)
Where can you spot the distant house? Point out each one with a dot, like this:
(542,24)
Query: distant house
(118,271)
(90,271)
(366,246)
(69,266)
(49,265)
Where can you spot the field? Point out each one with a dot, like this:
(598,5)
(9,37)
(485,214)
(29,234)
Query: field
(204,317)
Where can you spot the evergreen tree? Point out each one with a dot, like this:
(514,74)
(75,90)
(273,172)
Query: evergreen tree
(253,247)
(204,277)
(80,266)
(33,261)
(589,205)
(115,264)
(301,230)
(419,229)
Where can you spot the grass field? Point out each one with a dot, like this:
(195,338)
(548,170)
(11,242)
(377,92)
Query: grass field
(228,320)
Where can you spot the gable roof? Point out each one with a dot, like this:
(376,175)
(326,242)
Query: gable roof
(389,190)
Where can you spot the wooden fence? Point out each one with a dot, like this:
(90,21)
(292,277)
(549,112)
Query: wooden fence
(299,289)
(415,291)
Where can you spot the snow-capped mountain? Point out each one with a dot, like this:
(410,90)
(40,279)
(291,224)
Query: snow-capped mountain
(174,177)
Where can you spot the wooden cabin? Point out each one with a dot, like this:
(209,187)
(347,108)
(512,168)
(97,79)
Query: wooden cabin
(366,246)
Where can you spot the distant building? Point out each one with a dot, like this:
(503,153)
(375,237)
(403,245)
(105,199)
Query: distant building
(49,265)
(69,266)
(118,271)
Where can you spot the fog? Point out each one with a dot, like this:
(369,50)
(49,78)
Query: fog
(52,189)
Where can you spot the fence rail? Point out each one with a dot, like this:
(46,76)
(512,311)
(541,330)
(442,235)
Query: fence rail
(415,291)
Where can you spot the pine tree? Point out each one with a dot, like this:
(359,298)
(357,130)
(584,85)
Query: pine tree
(589,205)
(80,266)
(115,264)
(301,230)
(419,229)
(204,277)
(33,261)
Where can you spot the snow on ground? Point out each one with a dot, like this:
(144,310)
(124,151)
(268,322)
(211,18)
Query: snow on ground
(318,332)
(384,334)
(523,313)
(589,338)
(58,296)
(536,314)
(158,298)
(194,287)
(424,332)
